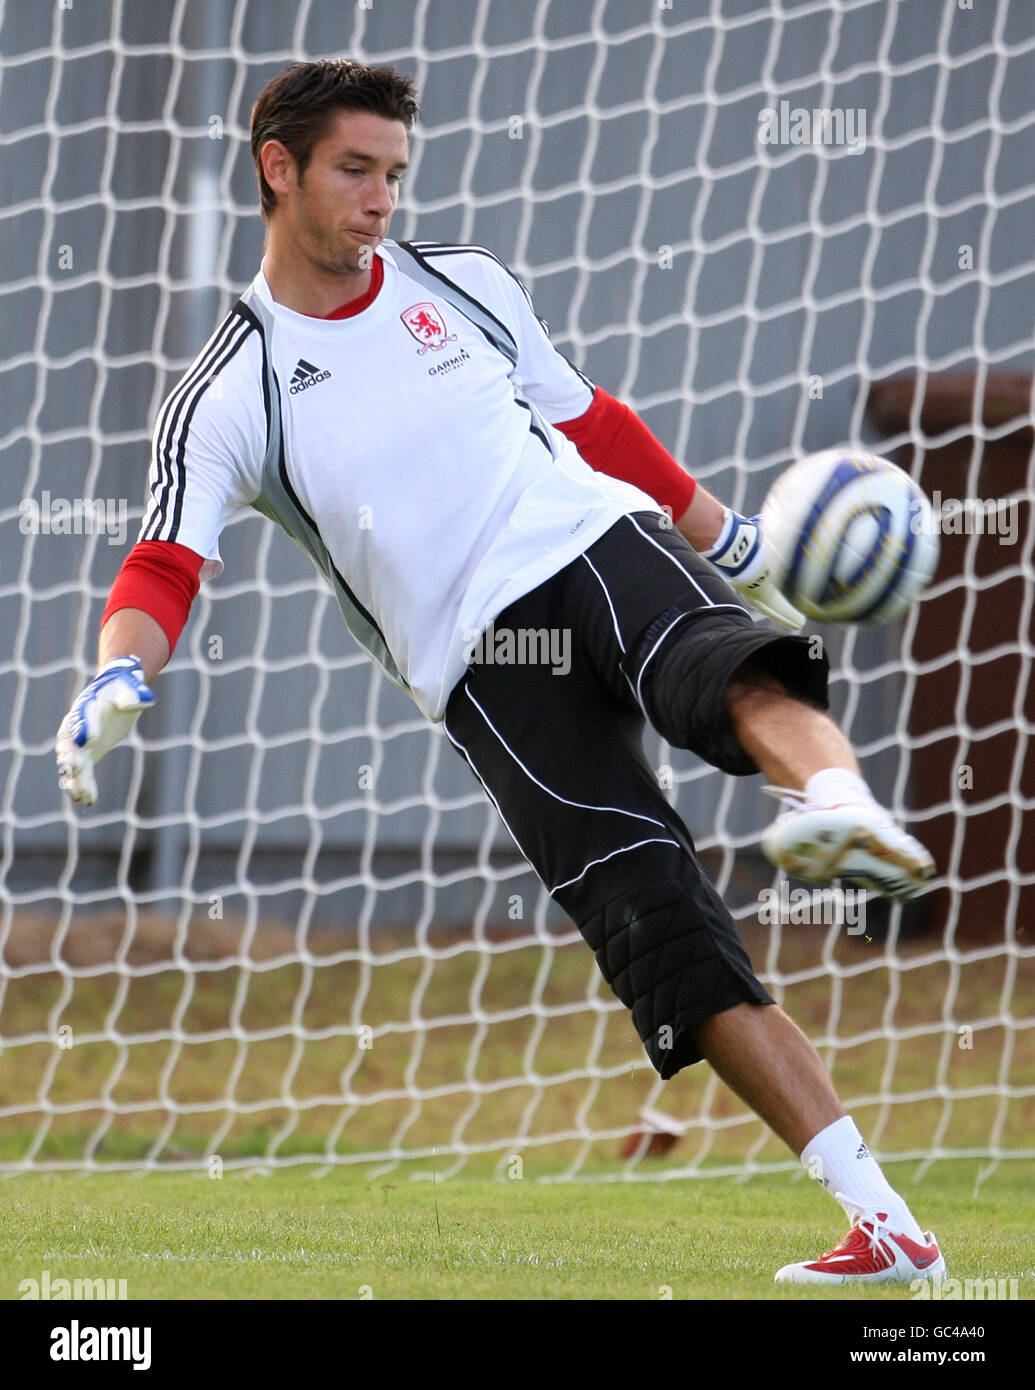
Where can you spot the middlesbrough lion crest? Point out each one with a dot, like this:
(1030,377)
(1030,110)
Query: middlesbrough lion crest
(425,323)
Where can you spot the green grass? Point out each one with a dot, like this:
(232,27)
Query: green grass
(248,1055)
(295,1235)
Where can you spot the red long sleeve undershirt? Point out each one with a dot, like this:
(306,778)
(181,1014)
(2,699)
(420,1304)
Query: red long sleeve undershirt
(613,439)
(162,578)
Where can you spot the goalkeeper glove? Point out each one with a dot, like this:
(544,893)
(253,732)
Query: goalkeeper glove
(102,715)
(739,551)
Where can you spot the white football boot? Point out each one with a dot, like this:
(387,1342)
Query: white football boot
(856,841)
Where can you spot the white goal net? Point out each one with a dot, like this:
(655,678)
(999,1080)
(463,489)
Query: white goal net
(292,930)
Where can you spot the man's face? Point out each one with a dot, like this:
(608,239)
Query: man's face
(341,207)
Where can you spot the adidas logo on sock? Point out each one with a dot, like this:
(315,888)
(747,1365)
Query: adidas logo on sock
(304,376)
(862,1151)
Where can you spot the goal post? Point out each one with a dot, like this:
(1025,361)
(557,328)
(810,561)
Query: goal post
(292,930)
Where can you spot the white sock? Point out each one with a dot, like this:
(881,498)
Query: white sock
(839,1159)
(836,785)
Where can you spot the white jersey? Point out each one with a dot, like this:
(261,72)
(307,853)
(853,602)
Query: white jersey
(409,449)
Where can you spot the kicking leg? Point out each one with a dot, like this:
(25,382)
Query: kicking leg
(789,740)
(837,830)
(755,1048)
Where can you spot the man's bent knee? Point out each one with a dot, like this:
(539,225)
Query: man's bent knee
(752,684)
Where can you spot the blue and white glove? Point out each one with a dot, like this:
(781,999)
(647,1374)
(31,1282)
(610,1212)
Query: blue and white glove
(739,551)
(102,714)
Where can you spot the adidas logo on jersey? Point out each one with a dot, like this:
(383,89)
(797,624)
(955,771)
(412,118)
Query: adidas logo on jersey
(304,376)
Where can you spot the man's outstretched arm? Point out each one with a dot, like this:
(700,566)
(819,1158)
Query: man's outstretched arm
(149,603)
(131,631)
(146,610)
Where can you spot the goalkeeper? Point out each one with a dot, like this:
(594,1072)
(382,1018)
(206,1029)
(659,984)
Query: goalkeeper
(400,411)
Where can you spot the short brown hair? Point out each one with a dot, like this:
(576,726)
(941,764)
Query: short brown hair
(296,106)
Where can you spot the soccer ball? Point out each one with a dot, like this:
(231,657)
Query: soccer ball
(850,537)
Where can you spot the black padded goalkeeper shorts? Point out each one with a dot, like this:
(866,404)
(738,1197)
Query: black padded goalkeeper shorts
(550,716)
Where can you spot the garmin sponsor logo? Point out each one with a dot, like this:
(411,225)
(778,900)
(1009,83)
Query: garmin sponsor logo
(450,364)
(306,375)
